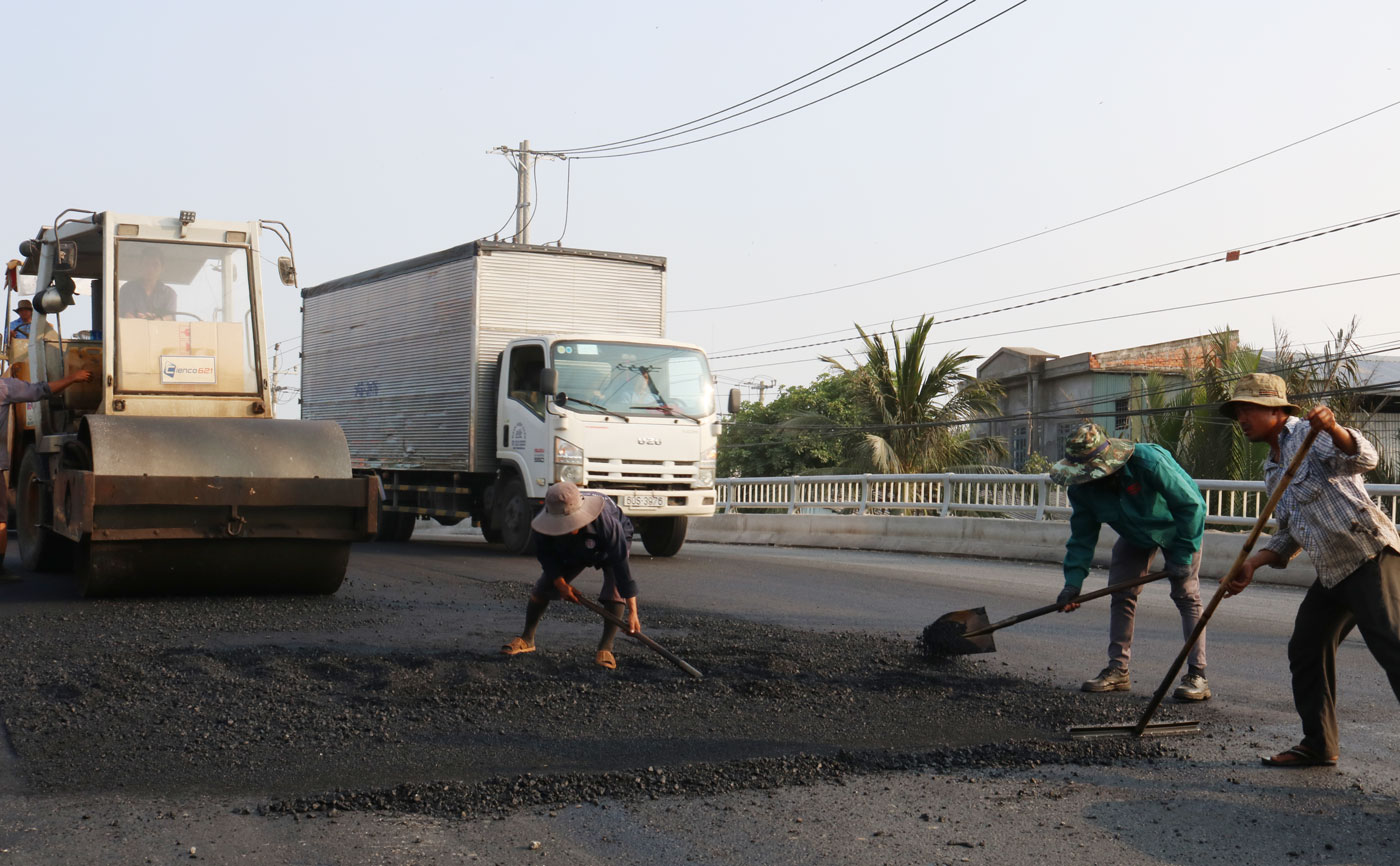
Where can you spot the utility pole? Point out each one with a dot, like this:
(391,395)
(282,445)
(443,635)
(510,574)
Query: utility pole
(762,383)
(522,193)
(524,166)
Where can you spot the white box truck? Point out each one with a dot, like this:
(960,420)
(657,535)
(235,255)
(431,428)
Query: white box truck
(469,380)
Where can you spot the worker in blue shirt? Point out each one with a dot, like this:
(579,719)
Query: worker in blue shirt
(1150,501)
(576,530)
(19,328)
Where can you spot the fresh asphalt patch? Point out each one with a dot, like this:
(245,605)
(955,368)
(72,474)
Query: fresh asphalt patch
(307,705)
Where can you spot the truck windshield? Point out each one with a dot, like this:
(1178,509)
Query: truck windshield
(184,319)
(635,379)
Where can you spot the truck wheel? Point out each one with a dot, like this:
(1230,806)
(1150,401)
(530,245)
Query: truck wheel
(663,536)
(40,548)
(489,531)
(513,518)
(404,530)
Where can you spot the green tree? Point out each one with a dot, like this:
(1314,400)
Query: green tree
(793,435)
(1186,419)
(924,415)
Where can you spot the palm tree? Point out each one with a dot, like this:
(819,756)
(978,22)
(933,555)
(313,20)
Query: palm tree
(1187,421)
(923,416)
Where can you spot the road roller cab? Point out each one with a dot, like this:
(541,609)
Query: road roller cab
(167,472)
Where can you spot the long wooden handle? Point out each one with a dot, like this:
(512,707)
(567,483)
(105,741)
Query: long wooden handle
(1220,592)
(640,638)
(1051,608)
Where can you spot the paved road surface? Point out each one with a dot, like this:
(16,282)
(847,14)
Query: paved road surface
(1218,805)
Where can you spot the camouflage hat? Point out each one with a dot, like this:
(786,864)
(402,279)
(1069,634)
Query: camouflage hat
(1090,455)
(1260,389)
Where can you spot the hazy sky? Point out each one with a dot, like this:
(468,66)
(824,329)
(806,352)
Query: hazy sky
(366,127)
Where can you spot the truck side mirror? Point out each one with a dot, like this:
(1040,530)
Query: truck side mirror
(549,381)
(734,401)
(286,271)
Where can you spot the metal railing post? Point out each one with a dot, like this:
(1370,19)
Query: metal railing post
(864,493)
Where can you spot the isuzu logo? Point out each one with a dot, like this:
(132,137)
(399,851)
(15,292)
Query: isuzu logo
(648,440)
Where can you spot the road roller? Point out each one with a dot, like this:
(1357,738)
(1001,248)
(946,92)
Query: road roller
(167,473)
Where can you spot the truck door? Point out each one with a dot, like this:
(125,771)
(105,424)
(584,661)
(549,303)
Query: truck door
(525,436)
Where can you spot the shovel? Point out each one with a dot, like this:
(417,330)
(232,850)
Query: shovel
(964,632)
(640,638)
(1145,722)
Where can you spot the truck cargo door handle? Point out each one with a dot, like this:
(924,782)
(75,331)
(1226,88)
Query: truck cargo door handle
(505,435)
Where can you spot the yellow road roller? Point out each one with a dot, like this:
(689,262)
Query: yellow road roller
(167,472)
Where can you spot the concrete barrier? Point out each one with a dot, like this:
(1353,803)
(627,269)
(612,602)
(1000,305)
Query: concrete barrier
(1023,540)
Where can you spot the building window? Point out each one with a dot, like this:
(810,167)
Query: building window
(1062,436)
(1019,442)
(1121,420)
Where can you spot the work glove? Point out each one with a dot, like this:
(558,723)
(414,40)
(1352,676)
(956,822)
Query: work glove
(566,592)
(1174,571)
(1067,595)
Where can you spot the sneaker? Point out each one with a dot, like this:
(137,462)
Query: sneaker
(1110,679)
(1193,688)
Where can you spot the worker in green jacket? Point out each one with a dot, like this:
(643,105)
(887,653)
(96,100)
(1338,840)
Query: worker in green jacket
(1150,501)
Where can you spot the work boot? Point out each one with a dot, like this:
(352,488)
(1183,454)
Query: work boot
(1110,679)
(1193,688)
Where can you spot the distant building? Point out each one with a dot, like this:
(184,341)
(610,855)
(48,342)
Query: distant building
(1052,395)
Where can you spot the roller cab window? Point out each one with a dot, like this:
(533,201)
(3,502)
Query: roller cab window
(184,319)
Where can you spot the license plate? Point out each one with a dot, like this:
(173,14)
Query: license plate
(643,501)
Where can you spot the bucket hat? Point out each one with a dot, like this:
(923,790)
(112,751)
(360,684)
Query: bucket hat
(1090,454)
(566,509)
(1261,389)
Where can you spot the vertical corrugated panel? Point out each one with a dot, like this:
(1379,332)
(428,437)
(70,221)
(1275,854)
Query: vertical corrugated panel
(390,360)
(522,294)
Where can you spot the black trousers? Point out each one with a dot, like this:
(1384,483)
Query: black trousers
(1368,599)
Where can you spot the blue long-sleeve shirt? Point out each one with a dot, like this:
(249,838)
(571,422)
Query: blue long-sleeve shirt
(16,391)
(602,543)
(1155,504)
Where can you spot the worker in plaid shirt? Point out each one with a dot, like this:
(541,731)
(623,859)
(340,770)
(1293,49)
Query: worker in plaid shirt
(1353,545)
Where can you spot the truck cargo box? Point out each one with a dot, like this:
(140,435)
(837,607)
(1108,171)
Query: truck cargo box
(404,356)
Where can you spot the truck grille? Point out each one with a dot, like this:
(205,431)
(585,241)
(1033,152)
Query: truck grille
(656,474)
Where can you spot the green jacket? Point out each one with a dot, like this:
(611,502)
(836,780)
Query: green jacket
(1152,503)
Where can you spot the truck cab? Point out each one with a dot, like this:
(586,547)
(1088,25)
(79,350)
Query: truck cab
(634,419)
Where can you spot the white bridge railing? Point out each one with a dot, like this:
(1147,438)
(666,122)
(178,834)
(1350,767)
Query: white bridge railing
(1023,497)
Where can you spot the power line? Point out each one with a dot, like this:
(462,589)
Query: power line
(1231,256)
(836,429)
(1044,232)
(814,101)
(661,134)
(847,330)
(1122,315)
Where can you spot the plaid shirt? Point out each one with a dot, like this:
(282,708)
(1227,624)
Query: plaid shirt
(1325,509)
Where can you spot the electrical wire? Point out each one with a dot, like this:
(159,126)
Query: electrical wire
(568,193)
(1045,232)
(1198,304)
(661,136)
(1227,257)
(847,330)
(842,90)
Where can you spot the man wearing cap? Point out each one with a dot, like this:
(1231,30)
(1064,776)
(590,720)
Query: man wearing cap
(578,529)
(1351,543)
(19,328)
(1150,501)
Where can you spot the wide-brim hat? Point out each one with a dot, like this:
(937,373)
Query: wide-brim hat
(25,304)
(1259,389)
(1090,454)
(566,509)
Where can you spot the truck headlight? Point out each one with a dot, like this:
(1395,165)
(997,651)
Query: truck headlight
(705,476)
(568,461)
